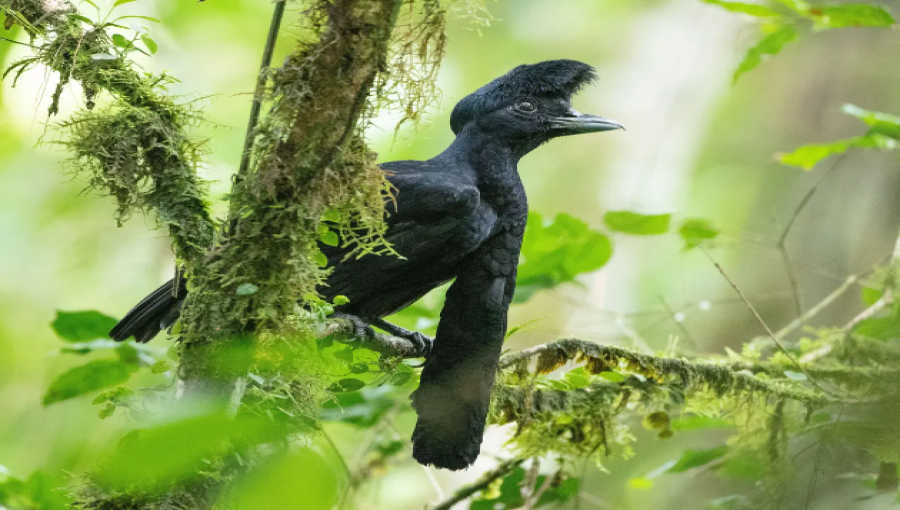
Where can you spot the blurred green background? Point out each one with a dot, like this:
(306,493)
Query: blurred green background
(696,146)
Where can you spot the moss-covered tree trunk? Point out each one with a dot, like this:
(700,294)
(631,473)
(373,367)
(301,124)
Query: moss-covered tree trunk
(308,155)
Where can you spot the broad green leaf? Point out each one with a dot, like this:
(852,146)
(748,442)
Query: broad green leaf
(870,296)
(508,495)
(346,385)
(614,377)
(629,222)
(81,18)
(82,326)
(150,44)
(298,480)
(880,328)
(330,238)
(807,156)
(881,123)
(850,15)
(771,44)
(556,252)
(697,422)
(38,492)
(92,376)
(120,41)
(694,458)
(176,450)
(362,408)
(744,8)
(695,231)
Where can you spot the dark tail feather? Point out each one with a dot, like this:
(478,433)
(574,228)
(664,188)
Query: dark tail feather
(452,403)
(153,314)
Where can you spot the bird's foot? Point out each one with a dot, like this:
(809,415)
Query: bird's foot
(361,327)
(420,341)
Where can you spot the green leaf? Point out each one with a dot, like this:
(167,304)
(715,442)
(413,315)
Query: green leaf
(82,326)
(696,422)
(150,44)
(147,18)
(629,222)
(770,45)
(744,8)
(508,495)
(881,123)
(850,15)
(695,231)
(870,296)
(340,299)
(120,41)
(798,6)
(81,18)
(122,2)
(694,458)
(362,408)
(96,375)
(795,376)
(879,328)
(177,449)
(320,259)
(246,289)
(614,377)
(346,385)
(557,252)
(807,156)
(330,238)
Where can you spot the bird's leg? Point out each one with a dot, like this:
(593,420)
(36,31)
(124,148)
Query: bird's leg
(362,327)
(421,341)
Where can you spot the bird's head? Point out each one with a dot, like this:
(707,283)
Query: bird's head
(531,105)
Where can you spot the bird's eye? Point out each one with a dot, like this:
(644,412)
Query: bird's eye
(526,106)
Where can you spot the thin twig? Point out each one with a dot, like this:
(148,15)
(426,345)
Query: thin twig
(821,305)
(782,240)
(764,325)
(274,27)
(480,484)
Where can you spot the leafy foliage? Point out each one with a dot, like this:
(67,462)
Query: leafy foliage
(556,252)
(629,222)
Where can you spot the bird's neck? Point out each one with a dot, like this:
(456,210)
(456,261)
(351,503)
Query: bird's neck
(489,162)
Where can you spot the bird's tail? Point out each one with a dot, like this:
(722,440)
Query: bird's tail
(452,403)
(153,314)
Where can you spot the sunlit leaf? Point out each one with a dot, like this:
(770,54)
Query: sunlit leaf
(95,375)
(771,44)
(348,384)
(694,458)
(556,252)
(697,422)
(121,2)
(880,328)
(120,41)
(300,480)
(130,16)
(850,15)
(150,44)
(744,8)
(795,376)
(82,326)
(630,222)
(694,231)
(38,492)
(177,450)
(881,123)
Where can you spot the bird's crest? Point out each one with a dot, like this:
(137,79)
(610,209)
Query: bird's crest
(549,78)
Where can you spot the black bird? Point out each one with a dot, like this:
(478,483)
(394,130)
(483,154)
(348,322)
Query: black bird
(458,215)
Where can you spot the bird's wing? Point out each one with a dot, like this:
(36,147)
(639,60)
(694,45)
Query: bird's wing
(434,220)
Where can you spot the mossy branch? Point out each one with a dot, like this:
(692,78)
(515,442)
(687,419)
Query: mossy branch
(137,148)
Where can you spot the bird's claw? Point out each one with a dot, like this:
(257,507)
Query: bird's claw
(421,342)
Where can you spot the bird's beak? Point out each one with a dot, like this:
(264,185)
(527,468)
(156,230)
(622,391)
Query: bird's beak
(576,123)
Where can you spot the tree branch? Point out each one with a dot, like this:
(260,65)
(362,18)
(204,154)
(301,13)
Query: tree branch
(486,479)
